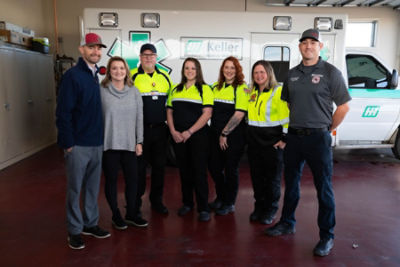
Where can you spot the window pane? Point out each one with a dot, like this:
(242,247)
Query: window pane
(279,57)
(273,53)
(286,54)
(365,72)
(360,34)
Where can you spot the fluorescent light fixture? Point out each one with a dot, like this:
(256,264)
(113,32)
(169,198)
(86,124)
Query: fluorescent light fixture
(282,23)
(108,19)
(150,20)
(323,24)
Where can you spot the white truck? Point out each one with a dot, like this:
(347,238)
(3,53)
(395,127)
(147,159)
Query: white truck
(374,117)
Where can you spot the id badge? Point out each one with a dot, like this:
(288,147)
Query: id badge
(154,95)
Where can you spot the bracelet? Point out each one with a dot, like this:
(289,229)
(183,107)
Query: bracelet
(223,135)
(190,132)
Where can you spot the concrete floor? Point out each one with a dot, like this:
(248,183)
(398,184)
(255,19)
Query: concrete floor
(367,191)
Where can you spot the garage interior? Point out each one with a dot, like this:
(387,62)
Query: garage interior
(32,190)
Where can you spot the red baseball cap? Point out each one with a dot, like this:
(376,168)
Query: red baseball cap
(93,39)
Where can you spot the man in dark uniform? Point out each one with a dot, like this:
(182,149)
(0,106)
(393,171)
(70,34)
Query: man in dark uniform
(154,85)
(310,89)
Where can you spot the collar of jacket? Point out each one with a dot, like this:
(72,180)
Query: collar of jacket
(319,64)
(141,70)
(84,66)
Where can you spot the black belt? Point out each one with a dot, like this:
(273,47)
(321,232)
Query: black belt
(306,131)
(154,125)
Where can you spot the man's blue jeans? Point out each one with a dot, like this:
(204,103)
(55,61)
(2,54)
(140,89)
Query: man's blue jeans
(314,148)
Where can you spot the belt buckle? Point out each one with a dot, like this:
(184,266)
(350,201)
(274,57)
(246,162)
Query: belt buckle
(303,131)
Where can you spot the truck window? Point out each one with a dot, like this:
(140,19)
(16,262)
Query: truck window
(279,57)
(361,34)
(366,72)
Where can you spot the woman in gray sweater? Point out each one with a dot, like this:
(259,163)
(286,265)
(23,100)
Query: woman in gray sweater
(123,136)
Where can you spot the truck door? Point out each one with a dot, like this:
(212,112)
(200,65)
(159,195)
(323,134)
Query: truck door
(281,50)
(374,108)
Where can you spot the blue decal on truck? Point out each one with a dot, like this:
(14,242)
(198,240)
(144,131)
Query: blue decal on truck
(375,93)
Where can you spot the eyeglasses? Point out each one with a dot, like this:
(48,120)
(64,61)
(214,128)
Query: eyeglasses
(148,55)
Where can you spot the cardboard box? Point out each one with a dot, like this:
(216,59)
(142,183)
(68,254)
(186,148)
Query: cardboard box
(5,36)
(4,25)
(20,38)
(15,38)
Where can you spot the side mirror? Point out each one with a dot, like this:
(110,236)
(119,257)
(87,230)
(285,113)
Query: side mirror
(395,79)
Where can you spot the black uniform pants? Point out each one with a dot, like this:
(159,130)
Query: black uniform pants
(112,161)
(314,148)
(224,166)
(154,153)
(192,162)
(266,165)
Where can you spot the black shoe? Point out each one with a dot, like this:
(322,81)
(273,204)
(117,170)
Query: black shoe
(136,221)
(75,242)
(204,216)
(216,204)
(323,248)
(266,219)
(225,209)
(160,208)
(118,222)
(95,231)
(280,228)
(184,210)
(255,216)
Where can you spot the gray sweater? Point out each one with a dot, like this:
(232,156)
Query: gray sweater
(123,117)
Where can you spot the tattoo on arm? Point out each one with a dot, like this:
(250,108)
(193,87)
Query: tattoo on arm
(231,125)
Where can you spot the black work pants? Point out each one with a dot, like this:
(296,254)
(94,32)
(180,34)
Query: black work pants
(266,165)
(112,161)
(315,149)
(192,162)
(224,165)
(154,153)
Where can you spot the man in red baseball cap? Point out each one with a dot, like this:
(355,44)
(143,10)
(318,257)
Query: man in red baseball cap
(92,39)
(80,134)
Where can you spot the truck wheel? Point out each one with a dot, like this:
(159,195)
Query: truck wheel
(396,148)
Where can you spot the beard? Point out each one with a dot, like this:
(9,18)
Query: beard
(93,59)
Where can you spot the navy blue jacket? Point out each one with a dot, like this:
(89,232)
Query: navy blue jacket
(79,116)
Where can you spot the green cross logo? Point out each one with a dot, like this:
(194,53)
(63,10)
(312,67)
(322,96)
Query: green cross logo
(371,111)
(193,47)
(130,50)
